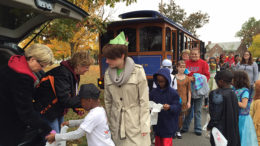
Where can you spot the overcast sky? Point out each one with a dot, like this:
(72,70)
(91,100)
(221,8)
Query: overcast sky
(226,16)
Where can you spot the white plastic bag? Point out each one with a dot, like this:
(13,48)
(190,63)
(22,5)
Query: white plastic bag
(61,143)
(219,139)
(155,109)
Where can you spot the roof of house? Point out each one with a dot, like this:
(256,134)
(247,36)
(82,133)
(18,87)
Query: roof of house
(226,46)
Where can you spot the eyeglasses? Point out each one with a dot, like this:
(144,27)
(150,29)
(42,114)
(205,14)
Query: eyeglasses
(167,67)
(39,62)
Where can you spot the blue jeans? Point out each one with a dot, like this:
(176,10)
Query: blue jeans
(55,124)
(196,104)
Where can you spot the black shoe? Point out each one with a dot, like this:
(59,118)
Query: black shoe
(198,133)
(183,131)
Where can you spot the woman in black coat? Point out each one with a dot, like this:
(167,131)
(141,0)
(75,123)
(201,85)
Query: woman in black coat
(19,122)
(66,82)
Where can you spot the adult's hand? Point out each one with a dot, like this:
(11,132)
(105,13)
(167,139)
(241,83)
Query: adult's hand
(144,134)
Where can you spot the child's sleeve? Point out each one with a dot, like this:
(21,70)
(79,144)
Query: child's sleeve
(77,134)
(75,123)
(175,107)
(245,94)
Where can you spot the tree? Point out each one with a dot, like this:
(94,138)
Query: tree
(255,46)
(192,22)
(248,30)
(79,35)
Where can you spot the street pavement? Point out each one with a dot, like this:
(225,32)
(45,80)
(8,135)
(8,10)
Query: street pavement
(190,139)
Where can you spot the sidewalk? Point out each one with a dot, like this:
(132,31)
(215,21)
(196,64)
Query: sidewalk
(190,139)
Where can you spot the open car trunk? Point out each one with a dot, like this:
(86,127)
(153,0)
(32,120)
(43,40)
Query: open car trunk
(18,18)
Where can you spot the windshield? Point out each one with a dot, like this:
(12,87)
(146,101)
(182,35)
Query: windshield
(13,18)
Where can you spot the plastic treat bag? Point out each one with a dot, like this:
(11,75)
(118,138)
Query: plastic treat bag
(155,109)
(61,143)
(219,139)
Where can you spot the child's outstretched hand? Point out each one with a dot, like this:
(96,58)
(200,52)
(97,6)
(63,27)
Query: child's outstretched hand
(50,138)
(66,123)
(166,107)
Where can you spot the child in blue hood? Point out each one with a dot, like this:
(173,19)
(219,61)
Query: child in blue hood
(167,124)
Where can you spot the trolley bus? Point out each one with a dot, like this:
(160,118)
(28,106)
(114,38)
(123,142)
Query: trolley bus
(152,37)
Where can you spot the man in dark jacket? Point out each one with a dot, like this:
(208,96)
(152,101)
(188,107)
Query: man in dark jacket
(20,123)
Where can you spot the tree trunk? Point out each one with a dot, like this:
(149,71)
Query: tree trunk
(72,48)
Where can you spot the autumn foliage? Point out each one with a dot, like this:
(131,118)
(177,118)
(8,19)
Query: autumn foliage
(66,36)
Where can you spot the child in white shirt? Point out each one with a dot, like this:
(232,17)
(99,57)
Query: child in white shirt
(94,125)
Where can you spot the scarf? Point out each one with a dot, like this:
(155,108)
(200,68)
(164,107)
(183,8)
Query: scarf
(68,66)
(125,74)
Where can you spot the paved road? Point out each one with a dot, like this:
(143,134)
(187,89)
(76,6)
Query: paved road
(190,139)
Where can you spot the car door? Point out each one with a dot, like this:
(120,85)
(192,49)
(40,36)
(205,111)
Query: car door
(18,18)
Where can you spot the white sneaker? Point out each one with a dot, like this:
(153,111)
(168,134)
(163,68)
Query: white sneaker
(178,134)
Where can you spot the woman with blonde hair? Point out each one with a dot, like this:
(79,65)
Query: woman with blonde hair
(66,80)
(21,123)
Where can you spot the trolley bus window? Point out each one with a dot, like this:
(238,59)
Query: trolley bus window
(168,39)
(106,37)
(130,34)
(180,44)
(185,43)
(150,39)
(173,41)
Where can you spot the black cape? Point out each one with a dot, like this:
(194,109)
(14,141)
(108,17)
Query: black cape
(224,114)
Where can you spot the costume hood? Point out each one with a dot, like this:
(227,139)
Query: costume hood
(165,73)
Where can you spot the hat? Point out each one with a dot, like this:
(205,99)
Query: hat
(166,62)
(89,91)
(119,40)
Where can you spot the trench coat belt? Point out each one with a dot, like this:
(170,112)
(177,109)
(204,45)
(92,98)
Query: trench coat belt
(122,122)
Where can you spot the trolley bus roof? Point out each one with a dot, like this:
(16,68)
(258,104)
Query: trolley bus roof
(147,16)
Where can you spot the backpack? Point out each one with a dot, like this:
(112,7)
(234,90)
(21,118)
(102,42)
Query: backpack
(45,95)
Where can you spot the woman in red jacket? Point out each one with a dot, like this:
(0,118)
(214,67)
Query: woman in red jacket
(20,123)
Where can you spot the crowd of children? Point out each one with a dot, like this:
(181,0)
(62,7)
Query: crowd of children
(229,104)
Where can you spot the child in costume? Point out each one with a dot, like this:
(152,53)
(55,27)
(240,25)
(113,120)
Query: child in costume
(223,109)
(184,90)
(167,123)
(94,125)
(246,127)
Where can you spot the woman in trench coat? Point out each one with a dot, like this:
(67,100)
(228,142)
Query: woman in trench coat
(126,96)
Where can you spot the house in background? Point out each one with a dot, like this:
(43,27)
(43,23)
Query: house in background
(215,49)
